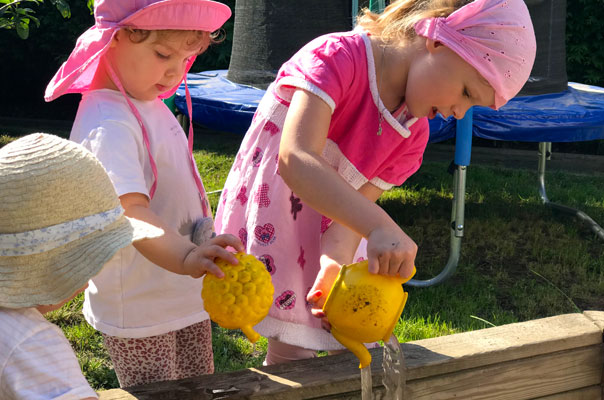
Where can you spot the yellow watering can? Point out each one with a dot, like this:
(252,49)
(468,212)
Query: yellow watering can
(242,298)
(364,308)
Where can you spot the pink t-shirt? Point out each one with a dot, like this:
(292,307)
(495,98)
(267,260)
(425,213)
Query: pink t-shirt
(340,69)
(273,223)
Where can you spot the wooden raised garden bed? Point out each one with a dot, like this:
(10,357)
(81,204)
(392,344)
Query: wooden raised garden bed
(556,358)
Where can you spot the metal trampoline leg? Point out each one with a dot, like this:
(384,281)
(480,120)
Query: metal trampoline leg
(457,227)
(545,151)
(463,152)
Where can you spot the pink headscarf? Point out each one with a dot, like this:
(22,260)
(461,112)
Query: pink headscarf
(496,37)
(76,74)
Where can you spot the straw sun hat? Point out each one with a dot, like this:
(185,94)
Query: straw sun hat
(60,220)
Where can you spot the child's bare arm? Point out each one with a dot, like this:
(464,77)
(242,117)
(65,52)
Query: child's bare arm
(301,165)
(306,172)
(173,252)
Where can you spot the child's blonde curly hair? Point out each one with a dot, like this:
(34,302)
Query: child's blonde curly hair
(195,39)
(396,24)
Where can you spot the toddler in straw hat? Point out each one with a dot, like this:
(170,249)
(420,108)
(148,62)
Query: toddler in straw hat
(60,222)
(147,302)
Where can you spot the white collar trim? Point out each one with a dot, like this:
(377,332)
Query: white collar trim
(403,130)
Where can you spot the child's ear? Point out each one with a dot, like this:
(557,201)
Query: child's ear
(433,45)
(117,36)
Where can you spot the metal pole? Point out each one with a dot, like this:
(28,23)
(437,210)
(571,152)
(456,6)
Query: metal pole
(463,152)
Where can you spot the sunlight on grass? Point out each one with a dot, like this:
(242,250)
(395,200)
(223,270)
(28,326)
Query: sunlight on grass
(213,169)
(408,329)
(232,350)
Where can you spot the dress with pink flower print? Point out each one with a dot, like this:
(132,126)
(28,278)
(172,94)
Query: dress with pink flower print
(271,221)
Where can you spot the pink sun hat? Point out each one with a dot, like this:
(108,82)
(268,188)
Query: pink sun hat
(496,37)
(76,74)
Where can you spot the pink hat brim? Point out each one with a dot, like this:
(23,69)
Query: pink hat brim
(196,15)
(76,74)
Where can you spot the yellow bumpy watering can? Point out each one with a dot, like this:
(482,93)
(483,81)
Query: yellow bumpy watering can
(364,308)
(242,298)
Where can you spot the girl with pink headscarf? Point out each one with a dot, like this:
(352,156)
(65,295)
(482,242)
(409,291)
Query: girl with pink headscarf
(345,120)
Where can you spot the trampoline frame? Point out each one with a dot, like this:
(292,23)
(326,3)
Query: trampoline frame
(463,149)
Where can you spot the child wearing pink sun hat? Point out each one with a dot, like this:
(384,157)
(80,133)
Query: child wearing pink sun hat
(146,302)
(76,74)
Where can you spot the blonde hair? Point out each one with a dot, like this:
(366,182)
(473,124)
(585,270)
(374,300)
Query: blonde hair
(397,22)
(197,39)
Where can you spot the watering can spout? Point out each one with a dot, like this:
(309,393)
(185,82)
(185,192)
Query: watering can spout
(357,348)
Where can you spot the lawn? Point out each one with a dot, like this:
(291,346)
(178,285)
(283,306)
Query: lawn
(519,259)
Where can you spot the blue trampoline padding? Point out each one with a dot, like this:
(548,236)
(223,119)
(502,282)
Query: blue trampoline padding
(218,103)
(575,115)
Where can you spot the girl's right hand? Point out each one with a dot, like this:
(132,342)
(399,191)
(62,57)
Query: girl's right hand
(391,252)
(318,293)
(200,260)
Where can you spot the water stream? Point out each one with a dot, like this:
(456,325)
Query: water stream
(366,383)
(394,379)
(393,362)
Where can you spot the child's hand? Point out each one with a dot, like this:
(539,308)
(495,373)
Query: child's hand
(200,260)
(319,291)
(391,252)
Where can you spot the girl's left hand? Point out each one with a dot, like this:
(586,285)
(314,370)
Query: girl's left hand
(391,252)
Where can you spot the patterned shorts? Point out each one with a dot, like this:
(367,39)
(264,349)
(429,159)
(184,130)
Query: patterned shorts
(173,355)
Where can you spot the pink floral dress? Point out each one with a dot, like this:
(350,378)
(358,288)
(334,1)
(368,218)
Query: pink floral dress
(258,207)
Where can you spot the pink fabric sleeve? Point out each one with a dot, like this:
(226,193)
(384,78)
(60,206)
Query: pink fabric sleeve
(324,67)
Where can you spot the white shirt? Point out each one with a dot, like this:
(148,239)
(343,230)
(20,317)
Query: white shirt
(132,297)
(36,360)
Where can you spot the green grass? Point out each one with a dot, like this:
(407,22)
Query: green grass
(519,259)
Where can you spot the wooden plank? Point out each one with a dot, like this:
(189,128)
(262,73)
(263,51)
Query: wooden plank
(299,379)
(116,394)
(499,344)
(589,393)
(463,353)
(526,379)
(597,317)
(522,379)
